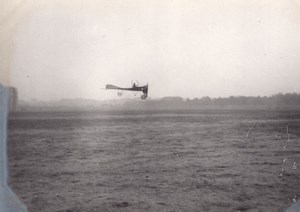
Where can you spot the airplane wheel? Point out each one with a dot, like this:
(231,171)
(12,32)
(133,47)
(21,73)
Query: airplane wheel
(143,97)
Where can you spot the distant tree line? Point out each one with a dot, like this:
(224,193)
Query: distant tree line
(277,100)
(274,100)
(288,100)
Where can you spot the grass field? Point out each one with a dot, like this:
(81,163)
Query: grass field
(217,160)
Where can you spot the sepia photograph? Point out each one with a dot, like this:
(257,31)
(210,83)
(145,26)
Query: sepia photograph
(155,106)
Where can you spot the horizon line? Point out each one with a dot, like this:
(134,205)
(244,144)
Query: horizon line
(159,98)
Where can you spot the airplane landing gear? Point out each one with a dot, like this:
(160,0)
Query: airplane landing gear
(143,97)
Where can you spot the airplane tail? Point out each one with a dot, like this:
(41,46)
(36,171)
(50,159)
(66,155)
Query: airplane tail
(109,86)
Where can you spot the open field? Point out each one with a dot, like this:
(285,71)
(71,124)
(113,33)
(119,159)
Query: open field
(218,160)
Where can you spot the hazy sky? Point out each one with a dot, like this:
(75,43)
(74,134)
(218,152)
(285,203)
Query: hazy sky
(71,49)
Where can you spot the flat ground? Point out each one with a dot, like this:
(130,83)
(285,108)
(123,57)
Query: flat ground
(155,161)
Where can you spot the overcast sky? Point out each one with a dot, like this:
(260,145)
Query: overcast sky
(71,49)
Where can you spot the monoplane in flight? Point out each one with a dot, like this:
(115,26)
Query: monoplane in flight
(135,87)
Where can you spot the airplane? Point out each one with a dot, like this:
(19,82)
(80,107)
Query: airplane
(134,87)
